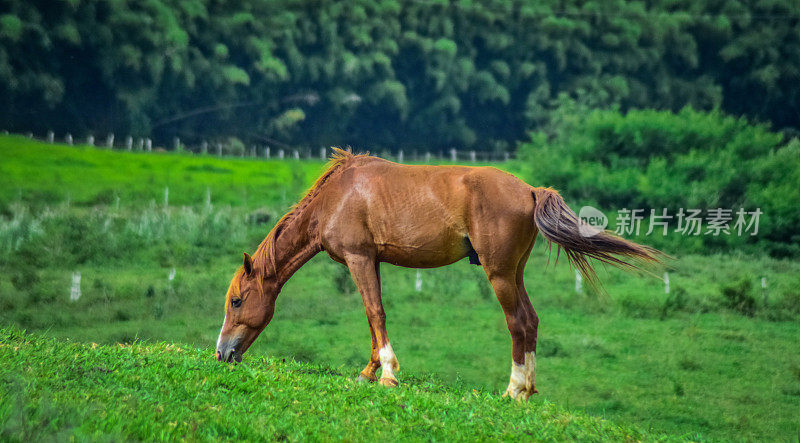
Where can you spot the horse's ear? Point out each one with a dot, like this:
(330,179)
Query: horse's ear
(248,264)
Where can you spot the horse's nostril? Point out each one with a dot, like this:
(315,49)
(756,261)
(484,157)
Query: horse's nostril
(219,356)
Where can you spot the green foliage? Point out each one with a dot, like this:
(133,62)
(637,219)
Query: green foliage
(657,159)
(234,146)
(287,121)
(390,74)
(11,27)
(739,296)
(235,75)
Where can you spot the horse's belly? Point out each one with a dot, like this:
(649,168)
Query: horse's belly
(431,250)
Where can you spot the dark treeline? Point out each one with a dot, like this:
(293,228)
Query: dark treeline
(375,74)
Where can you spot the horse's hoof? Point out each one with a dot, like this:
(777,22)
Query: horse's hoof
(521,395)
(388,382)
(364,379)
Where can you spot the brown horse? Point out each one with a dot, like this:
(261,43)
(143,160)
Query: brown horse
(365,210)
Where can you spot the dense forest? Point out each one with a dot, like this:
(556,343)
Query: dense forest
(385,74)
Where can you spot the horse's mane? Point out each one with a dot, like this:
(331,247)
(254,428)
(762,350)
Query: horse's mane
(264,257)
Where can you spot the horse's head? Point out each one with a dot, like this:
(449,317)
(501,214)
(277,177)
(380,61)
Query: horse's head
(249,306)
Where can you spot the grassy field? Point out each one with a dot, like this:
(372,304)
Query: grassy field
(39,175)
(60,389)
(716,358)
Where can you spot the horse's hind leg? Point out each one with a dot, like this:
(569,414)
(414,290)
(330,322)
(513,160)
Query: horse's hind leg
(503,258)
(365,273)
(532,323)
(531,332)
(520,384)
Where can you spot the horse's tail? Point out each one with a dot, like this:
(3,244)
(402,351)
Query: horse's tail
(559,224)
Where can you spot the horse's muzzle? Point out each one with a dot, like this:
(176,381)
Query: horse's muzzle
(228,353)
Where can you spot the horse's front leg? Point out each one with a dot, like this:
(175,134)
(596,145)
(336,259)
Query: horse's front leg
(366,275)
(368,374)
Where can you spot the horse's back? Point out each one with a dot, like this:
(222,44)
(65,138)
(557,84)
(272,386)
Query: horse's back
(448,194)
(417,215)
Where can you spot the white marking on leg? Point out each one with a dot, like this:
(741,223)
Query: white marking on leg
(388,361)
(530,364)
(516,382)
(522,376)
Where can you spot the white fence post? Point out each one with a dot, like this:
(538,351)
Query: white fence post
(453,155)
(323,152)
(129,143)
(296,154)
(166,196)
(505,156)
(280,154)
(90,140)
(75,289)
(219,149)
(110,140)
(68,139)
(176,143)
(266,152)
(578,282)
(400,156)
(418,283)
(50,136)
(666,283)
(427,157)
(140,144)
(148,144)
(472,156)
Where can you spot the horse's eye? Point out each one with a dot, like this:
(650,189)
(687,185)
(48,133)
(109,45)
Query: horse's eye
(236,302)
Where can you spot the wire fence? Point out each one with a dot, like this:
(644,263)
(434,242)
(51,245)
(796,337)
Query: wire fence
(228,149)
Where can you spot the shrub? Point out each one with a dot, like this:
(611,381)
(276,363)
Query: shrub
(738,296)
(658,159)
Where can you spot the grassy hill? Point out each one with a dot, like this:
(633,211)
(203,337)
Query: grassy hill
(142,391)
(39,174)
(714,358)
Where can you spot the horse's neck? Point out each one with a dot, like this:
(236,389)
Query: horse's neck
(296,245)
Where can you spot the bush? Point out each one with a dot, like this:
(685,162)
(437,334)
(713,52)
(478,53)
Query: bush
(739,297)
(658,159)
(233,146)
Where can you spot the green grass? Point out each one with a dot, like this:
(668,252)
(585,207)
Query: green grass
(691,363)
(90,176)
(60,389)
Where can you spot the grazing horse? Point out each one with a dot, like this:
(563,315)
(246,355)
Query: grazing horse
(365,210)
